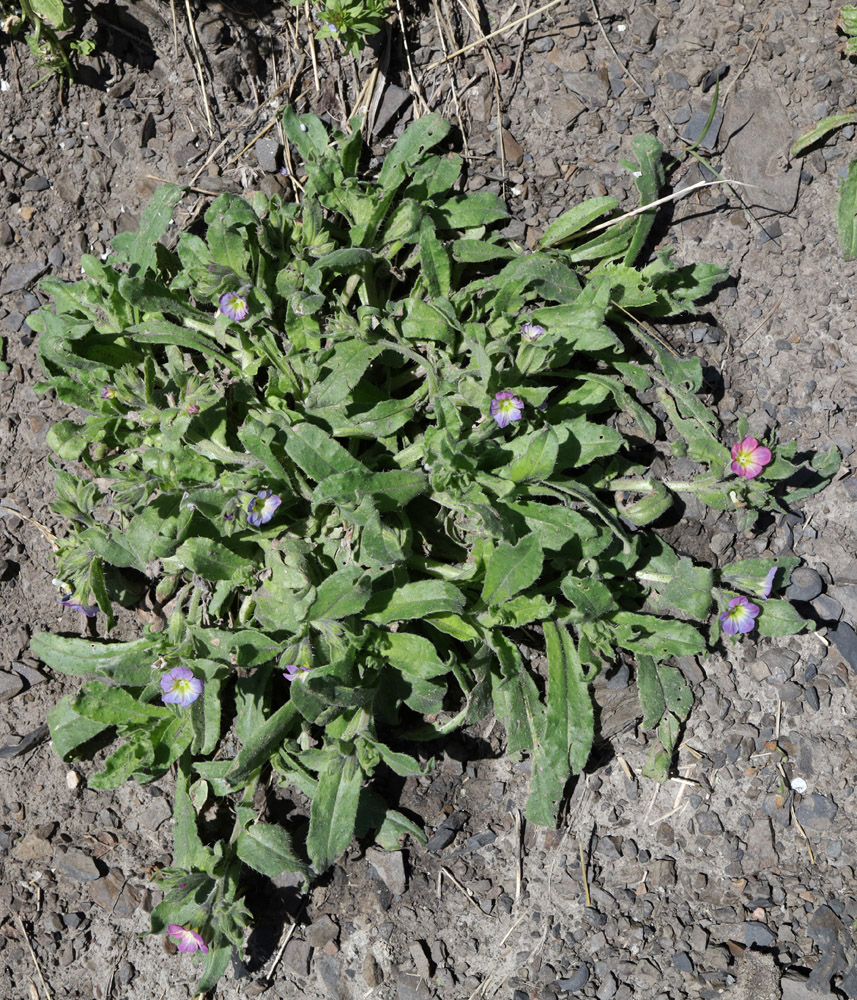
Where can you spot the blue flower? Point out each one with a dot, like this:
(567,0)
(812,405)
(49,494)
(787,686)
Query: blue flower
(506,408)
(90,610)
(234,306)
(261,508)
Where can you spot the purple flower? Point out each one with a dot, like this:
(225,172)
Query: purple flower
(531,331)
(191,409)
(234,306)
(740,617)
(187,940)
(180,687)
(107,392)
(261,508)
(506,408)
(765,592)
(90,610)
(749,458)
(293,671)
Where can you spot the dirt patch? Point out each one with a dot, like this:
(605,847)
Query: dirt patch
(646,891)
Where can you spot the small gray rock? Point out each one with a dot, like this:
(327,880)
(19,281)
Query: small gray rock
(708,823)
(827,608)
(36,183)
(444,835)
(805,585)
(76,865)
(816,810)
(682,961)
(19,276)
(845,639)
(607,987)
(267,150)
(10,685)
(575,982)
(297,956)
(757,934)
(321,931)
(390,866)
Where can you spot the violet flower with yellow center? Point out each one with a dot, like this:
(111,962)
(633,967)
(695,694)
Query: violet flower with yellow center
(234,306)
(506,408)
(180,687)
(740,616)
(261,508)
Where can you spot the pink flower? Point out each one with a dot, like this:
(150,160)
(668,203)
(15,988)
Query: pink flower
(749,458)
(186,940)
(740,617)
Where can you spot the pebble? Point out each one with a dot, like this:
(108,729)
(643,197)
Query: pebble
(444,835)
(812,698)
(373,974)
(19,276)
(682,961)
(845,639)
(36,183)
(321,931)
(708,823)
(816,810)
(806,584)
(114,894)
(297,956)
(390,866)
(607,988)
(76,865)
(575,982)
(10,685)
(267,150)
(757,934)
(827,608)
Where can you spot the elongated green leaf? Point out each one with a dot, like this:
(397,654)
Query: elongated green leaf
(128,662)
(689,589)
(516,697)
(576,219)
(138,249)
(339,595)
(569,731)
(650,692)
(114,706)
(537,455)
(434,260)
(656,637)
(413,655)
(316,453)
(162,332)
(781,618)
(592,599)
(333,812)
(479,251)
(70,730)
(820,131)
(414,600)
(413,143)
(261,744)
(511,569)
(846,212)
(213,966)
(211,560)
(267,849)
(188,845)
(648,175)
